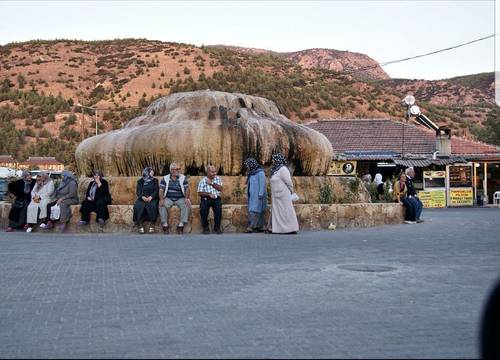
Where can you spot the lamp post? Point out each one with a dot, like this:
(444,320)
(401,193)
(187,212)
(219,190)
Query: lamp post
(95,113)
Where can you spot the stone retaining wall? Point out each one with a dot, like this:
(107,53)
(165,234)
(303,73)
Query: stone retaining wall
(234,217)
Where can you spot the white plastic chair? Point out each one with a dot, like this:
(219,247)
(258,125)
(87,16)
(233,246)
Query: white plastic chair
(496,198)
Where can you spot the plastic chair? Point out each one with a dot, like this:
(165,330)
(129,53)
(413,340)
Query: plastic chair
(496,198)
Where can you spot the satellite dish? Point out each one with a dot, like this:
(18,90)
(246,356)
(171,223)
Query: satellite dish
(409,100)
(415,110)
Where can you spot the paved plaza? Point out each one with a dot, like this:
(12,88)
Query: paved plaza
(252,295)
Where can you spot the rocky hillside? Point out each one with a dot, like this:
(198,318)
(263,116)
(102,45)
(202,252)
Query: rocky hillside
(42,81)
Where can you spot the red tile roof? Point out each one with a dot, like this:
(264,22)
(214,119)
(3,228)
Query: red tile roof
(385,135)
(6,158)
(37,160)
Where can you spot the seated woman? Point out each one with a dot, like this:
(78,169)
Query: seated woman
(41,195)
(21,189)
(65,195)
(146,205)
(400,195)
(97,199)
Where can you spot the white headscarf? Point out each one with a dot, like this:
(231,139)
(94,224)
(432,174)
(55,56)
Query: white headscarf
(378,179)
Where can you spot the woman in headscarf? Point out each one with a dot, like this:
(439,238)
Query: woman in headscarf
(21,189)
(97,199)
(65,195)
(400,195)
(257,195)
(283,217)
(41,195)
(380,186)
(146,205)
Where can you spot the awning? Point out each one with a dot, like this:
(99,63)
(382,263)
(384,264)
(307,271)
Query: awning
(408,162)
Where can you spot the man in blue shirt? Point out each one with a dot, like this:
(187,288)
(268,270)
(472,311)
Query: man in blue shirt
(174,190)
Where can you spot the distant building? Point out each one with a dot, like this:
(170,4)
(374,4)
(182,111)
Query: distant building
(42,163)
(8,162)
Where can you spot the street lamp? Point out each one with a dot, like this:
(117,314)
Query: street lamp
(95,113)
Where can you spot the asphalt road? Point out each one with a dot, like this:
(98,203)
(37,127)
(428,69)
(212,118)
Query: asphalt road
(398,291)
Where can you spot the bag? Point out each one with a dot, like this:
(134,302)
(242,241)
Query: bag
(55,212)
(294,197)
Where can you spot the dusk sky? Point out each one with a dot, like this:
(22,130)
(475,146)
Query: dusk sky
(384,30)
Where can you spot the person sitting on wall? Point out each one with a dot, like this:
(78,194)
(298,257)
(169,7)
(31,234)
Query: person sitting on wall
(41,195)
(146,205)
(209,189)
(412,194)
(174,191)
(380,186)
(21,189)
(65,195)
(97,199)
(400,195)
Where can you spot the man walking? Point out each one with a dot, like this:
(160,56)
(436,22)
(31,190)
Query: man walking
(174,190)
(209,189)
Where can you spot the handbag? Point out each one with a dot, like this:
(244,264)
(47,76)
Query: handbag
(55,212)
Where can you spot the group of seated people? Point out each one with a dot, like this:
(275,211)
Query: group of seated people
(404,193)
(36,200)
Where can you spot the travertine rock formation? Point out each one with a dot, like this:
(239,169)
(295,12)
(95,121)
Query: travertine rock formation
(205,127)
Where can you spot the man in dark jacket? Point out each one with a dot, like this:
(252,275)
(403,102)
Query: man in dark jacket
(412,194)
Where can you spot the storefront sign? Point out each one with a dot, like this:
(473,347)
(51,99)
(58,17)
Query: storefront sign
(460,176)
(461,197)
(342,168)
(433,198)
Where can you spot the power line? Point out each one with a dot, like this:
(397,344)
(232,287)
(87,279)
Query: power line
(416,56)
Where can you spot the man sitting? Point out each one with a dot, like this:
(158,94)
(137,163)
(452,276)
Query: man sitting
(209,189)
(174,190)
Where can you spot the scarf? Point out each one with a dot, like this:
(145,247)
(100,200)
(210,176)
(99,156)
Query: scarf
(378,179)
(253,167)
(67,178)
(278,162)
(27,183)
(146,175)
(44,179)
(93,187)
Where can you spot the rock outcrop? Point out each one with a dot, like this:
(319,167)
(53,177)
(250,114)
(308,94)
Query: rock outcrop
(205,127)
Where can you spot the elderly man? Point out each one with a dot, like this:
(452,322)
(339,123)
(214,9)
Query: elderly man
(209,189)
(412,194)
(174,190)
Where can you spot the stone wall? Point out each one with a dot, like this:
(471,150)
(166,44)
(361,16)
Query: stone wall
(234,217)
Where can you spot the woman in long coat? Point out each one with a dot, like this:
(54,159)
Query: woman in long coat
(146,205)
(283,217)
(21,189)
(97,199)
(65,195)
(41,195)
(257,196)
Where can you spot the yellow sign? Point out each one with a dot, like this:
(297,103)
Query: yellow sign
(433,198)
(434,174)
(342,168)
(461,197)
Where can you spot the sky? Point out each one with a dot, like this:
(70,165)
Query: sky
(384,30)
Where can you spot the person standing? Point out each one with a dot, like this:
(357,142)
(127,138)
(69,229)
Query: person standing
(146,205)
(97,199)
(283,217)
(21,189)
(209,189)
(380,186)
(412,194)
(257,196)
(174,191)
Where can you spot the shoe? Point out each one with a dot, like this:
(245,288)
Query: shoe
(180,230)
(62,227)
(420,221)
(166,229)
(410,222)
(48,226)
(141,230)
(206,231)
(43,226)
(82,223)
(218,231)
(29,229)
(248,230)
(151,230)
(9,229)
(101,221)
(26,226)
